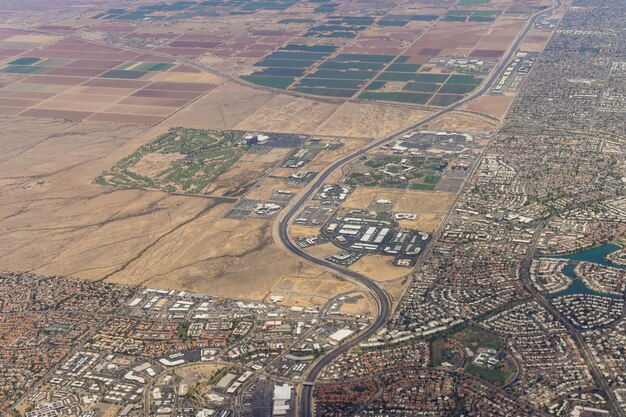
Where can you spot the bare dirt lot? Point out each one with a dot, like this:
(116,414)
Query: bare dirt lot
(298,290)
(379,268)
(238,179)
(463,121)
(430,207)
(535,41)
(362,197)
(55,220)
(197,373)
(222,108)
(369,120)
(360,304)
(323,251)
(426,222)
(495,106)
(284,113)
(424,202)
(296,231)
(263,190)
(232,106)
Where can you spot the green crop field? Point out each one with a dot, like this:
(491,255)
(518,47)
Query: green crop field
(451,18)
(331,92)
(275,82)
(422,87)
(285,63)
(457,88)
(443,100)
(154,66)
(472,2)
(24,61)
(329,83)
(127,74)
(403,67)
(350,75)
(348,65)
(23,69)
(179,161)
(375,85)
(365,58)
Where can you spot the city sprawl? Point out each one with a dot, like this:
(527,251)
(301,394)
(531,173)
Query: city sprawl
(313,208)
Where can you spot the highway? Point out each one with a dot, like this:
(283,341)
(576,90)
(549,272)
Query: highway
(383,301)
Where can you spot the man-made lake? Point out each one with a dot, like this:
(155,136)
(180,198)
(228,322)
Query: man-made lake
(596,255)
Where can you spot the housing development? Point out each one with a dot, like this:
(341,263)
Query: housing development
(321,208)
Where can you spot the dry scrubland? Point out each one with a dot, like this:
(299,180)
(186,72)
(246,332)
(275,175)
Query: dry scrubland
(495,106)
(379,268)
(232,106)
(55,220)
(459,120)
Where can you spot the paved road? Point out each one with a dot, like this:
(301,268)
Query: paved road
(382,298)
(616,410)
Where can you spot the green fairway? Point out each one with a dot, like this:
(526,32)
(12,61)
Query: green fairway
(182,161)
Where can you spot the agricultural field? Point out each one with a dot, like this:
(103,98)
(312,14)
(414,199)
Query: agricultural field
(60,78)
(332,51)
(373,77)
(180,161)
